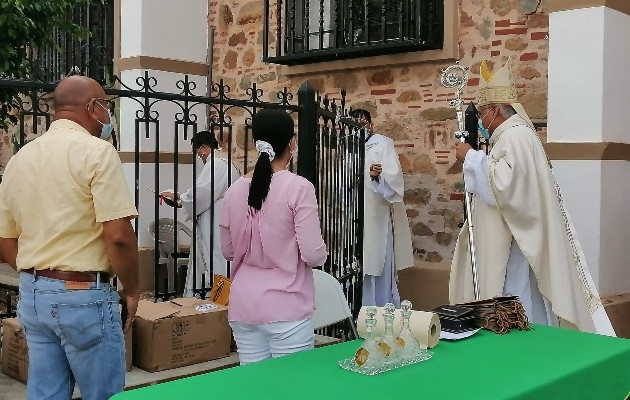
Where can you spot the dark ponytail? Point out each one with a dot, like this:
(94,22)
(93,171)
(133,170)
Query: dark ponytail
(261,180)
(276,128)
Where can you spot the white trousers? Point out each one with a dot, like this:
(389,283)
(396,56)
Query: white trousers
(382,289)
(260,342)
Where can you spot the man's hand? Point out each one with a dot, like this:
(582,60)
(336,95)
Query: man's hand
(170,198)
(375,171)
(461,150)
(122,250)
(168,195)
(129,303)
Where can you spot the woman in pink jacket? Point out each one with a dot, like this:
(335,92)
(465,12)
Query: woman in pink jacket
(270,231)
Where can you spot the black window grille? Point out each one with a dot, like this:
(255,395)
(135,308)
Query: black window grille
(308,31)
(91,56)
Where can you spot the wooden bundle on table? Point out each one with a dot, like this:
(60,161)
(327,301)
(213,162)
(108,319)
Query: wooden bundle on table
(499,314)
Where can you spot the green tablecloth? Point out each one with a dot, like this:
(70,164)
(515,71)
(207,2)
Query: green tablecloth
(543,364)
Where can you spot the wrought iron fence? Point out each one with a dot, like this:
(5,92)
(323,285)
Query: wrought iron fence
(306,31)
(156,128)
(337,170)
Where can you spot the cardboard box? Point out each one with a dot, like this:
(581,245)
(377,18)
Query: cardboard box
(425,285)
(15,350)
(179,332)
(129,350)
(146,261)
(618,309)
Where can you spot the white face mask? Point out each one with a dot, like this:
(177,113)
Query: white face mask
(483,130)
(108,128)
(202,157)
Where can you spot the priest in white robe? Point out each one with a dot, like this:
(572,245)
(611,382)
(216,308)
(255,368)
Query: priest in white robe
(524,240)
(214,179)
(387,246)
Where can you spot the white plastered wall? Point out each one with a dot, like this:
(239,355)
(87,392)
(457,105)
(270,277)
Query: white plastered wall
(589,94)
(167,30)
(176,30)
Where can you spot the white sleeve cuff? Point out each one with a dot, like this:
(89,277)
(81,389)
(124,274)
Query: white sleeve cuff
(473,164)
(476,176)
(383,189)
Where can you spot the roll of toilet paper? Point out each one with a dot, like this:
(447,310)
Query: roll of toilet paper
(425,326)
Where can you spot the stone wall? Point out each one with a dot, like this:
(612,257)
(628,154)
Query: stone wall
(407,102)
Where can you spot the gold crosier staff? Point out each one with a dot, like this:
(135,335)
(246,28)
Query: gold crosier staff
(456,76)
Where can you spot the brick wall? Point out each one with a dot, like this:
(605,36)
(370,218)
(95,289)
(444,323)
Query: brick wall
(407,102)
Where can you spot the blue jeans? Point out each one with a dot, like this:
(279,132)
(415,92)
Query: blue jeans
(72,335)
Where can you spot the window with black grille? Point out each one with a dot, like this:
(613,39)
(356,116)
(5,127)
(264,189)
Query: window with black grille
(309,31)
(91,56)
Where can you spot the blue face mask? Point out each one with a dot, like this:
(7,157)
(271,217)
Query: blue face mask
(483,131)
(108,128)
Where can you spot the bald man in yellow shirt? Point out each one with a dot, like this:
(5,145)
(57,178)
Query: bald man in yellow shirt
(65,213)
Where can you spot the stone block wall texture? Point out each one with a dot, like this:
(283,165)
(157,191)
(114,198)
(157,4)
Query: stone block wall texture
(407,102)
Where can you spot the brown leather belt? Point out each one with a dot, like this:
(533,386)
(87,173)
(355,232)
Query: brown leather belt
(74,276)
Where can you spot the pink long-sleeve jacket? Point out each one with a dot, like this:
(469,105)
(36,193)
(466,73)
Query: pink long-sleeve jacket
(272,250)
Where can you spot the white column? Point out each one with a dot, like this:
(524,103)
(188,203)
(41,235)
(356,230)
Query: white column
(176,30)
(168,39)
(589,94)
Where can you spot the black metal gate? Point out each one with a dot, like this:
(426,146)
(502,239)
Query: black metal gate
(336,167)
(91,56)
(330,154)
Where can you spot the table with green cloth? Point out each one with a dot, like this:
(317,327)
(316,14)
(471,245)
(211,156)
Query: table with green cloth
(544,363)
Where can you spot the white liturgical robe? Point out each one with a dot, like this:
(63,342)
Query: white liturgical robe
(386,235)
(521,220)
(210,188)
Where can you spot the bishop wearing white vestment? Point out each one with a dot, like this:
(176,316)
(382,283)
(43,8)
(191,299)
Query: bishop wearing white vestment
(387,244)
(524,240)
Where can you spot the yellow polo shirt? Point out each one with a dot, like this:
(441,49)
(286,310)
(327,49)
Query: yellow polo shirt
(55,194)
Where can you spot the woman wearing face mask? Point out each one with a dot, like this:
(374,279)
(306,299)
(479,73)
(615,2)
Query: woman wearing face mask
(215,177)
(270,230)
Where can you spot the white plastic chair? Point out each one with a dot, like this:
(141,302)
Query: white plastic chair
(331,305)
(168,248)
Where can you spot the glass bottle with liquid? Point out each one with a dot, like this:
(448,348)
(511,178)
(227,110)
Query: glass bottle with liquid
(369,356)
(389,345)
(411,348)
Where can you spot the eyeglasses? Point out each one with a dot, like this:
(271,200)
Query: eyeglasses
(106,102)
(487,112)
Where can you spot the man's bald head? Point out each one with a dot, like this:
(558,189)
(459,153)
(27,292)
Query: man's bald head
(76,91)
(76,98)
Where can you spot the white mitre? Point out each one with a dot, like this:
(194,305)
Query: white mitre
(498,88)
